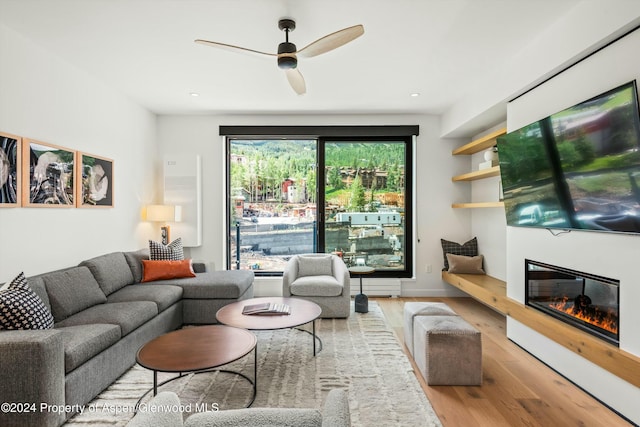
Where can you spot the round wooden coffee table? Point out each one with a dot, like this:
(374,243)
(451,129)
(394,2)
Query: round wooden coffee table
(198,349)
(302,312)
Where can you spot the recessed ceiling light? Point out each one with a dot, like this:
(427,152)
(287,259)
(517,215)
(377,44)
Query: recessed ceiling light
(415,94)
(194,94)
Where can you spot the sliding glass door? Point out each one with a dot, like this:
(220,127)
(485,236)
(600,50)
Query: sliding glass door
(347,196)
(364,202)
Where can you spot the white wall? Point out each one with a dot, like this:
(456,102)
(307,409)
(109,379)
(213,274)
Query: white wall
(45,98)
(434,189)
(584,28)
(605,254)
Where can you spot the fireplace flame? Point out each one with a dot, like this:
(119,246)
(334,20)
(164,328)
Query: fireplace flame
(603,320)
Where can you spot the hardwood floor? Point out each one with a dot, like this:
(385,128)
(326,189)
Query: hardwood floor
(517,390)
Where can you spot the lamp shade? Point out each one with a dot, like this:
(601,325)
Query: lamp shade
(164,213)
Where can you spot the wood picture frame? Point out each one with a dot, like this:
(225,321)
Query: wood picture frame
(94,183)
(10,170)
(48,175)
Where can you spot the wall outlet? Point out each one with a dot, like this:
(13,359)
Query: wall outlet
(427,268)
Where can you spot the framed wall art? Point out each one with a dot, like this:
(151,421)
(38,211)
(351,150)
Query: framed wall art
(48,175)
(10,170)
(94,181)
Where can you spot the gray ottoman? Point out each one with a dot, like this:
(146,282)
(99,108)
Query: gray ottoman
(447,350)
(413,309)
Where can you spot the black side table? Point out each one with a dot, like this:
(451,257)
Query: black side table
(361,300)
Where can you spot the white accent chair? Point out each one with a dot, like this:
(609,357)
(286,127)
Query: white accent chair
(321,278)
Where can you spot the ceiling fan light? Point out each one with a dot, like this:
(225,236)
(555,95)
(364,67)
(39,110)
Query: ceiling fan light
(287,62)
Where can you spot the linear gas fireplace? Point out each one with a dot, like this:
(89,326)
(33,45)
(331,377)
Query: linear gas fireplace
(586,301)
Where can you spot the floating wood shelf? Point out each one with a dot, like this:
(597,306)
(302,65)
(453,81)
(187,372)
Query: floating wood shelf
(480,144)
(479,174)
(473,205)
(493,293)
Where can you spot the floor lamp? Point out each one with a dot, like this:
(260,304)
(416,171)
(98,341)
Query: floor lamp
(164,214)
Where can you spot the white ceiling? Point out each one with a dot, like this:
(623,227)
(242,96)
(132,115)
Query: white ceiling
(441,49)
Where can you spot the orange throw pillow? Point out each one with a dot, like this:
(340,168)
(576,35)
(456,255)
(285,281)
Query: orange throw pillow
(162,270)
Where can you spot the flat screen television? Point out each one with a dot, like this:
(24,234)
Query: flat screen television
(578,168)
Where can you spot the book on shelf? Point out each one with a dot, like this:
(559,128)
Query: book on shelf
(266,308)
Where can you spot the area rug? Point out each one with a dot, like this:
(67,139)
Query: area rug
(360,354)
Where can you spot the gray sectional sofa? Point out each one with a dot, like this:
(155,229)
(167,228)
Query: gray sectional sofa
(102,314)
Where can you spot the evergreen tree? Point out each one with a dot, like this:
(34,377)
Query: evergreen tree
(357,201)
(335,180)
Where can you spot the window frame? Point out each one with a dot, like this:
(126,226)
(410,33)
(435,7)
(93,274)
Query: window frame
(324,134)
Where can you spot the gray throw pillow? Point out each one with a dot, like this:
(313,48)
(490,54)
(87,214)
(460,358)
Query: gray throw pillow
(315,266)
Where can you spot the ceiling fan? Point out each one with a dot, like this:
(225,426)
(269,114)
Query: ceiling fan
(288,54)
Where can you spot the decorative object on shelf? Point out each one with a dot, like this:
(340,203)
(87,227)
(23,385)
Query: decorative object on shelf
(94,181)
(48,175)
(486,169)
(491,159)
(165,214)
(491,155)
(10,170)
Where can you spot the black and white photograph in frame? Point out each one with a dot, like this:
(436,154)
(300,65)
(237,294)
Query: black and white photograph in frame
(48,175)
(95,181)
(10,155)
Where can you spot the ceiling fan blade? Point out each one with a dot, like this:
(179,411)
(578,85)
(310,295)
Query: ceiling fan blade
(296,81)
(331,41)
(232,48)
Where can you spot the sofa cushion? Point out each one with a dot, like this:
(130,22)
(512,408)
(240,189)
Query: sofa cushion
(134,259)
(21,308)
(127,315)
(173,251)
(83,342)
(314,265)
(111,271)
(163,295)
(316,286)
(221,284)
(37,285)
(71,291)
(167,269)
